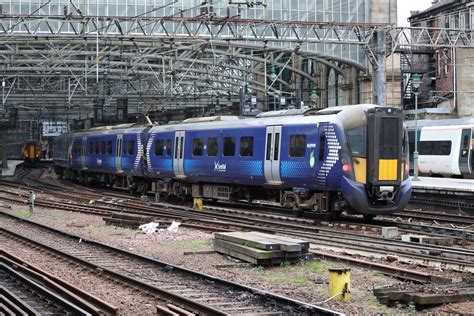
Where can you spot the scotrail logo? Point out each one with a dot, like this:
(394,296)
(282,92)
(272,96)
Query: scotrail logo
(220,167)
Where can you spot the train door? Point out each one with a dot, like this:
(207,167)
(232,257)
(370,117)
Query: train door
(272,155)
(83,152)
(178,160)
(465,153)
(118,153)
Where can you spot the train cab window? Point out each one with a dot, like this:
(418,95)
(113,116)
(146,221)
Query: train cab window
(297,146)
(91,148)
(168,147)
(198,146)
(246,146)
(131,147)
(159,150)
(109,147)
(229,146)
(435,148)
(212,147)
(356,139)
(97,148)
(102,151)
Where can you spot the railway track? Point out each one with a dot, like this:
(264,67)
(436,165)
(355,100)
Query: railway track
(148,278)
(341,239)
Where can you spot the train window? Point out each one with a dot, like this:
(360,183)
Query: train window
(168,147)
(277,146)
(198,146)
(229,146)
(356,139)
(322,145)
(435,148)
(103,148)
(131,147)
(246,146)
(176,148)
(269,146)
(181,147)
(297,145)
(97,148)
(109,147)
(124,147)
(212,146)
(159,150)
(91,148)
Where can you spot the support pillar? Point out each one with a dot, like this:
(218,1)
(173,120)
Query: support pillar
(323,86)
(378,67)
(4,150)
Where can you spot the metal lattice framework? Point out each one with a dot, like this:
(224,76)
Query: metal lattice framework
(76,59)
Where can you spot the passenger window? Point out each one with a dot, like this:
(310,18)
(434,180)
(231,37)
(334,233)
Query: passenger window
(198,146)
(229,146)
(131,147)
(124,147)
(97,148)
(212,146)
(181,147)
(246,146)
(322,145)
(159,150)
(297,146)
(109,147)
(91,148)
(168,147)
(102,151)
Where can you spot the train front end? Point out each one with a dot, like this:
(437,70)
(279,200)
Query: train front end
(375,167)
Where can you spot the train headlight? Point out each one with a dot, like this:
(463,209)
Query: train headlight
(346,168)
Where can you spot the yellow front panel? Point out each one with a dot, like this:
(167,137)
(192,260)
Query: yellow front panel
(360,169)
(388,169)
(32,151)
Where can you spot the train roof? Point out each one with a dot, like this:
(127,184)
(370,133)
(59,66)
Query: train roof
(443,122)
(296,117)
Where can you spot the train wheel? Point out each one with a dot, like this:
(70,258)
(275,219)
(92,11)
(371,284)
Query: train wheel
(369,217)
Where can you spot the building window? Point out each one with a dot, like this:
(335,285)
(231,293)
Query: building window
(159,150)
(198,146)
(297,146)
(229,146)
(246,146)
(212,146)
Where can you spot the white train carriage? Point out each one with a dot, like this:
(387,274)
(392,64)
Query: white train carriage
(447,150)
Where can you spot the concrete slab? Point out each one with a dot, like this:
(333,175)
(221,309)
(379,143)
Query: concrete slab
(444,184)
(10,171)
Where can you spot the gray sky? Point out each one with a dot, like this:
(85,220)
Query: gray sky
(405,6)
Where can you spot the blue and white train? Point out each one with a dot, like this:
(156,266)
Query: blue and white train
(352,158)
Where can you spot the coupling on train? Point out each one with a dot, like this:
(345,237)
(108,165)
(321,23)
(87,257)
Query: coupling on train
(351,158)
(31,151)
(445,147)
